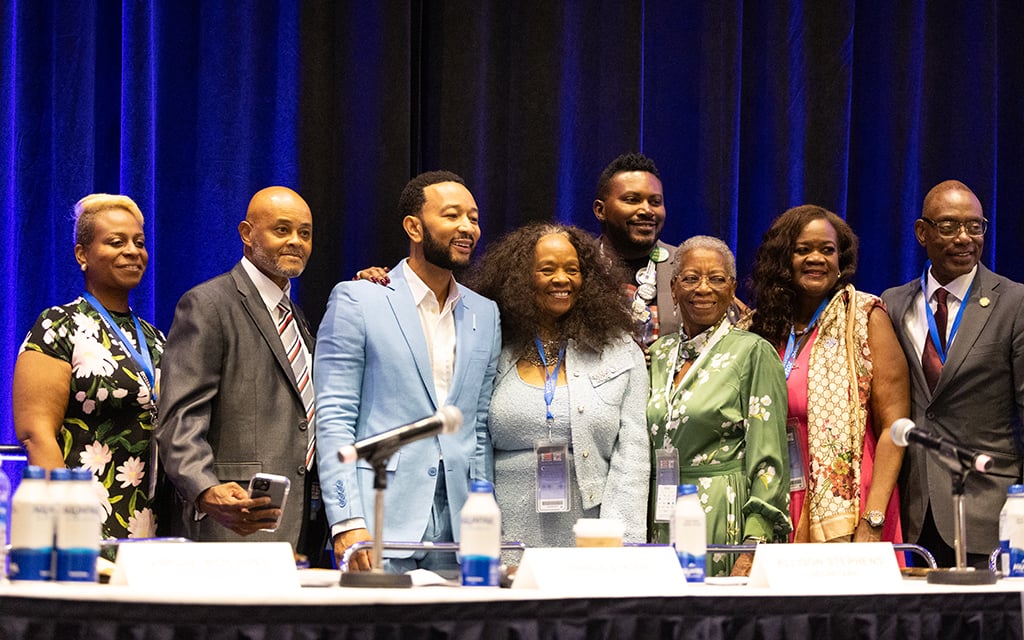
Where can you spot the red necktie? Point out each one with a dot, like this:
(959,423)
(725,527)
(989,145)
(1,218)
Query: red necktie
(930,361)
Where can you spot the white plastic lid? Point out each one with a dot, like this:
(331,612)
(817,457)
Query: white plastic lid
(599,528)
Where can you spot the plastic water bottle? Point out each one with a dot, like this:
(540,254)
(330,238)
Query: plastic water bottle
(480,537)
(688,531)
(5,503)
(32,527)
(1011,533)
(79,528)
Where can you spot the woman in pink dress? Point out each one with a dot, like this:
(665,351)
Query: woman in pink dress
(847,379)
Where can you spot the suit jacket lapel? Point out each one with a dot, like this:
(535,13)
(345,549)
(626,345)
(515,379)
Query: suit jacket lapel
(253,304)
(902,301)
(973,321)
(408,318)
(465,328)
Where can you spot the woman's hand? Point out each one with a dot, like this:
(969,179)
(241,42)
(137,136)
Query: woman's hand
(378,275)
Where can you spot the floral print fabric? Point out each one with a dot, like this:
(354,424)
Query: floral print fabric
(728,424)
(108,422)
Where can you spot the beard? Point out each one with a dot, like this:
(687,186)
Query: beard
(440,255)
(270,263)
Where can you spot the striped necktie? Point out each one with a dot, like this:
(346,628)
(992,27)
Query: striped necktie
(288,330)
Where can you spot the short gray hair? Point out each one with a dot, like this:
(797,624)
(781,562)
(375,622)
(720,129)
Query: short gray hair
(710,243)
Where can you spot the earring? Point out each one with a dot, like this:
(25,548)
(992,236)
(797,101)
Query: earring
(83,267)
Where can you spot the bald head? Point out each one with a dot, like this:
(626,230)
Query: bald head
(277,233)
(951,189)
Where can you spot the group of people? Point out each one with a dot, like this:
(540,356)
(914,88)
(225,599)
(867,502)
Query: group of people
(594,376)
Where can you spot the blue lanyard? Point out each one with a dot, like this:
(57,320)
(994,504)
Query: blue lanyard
(142,359)
(550,379)
(933,329)
(792,347)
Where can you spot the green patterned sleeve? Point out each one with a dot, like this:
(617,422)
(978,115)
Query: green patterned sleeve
(766,513)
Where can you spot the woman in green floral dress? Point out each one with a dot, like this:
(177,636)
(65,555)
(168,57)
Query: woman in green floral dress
(718,408)
(84,392)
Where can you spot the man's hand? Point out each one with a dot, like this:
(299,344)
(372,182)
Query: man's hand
(230,505)
(360,561)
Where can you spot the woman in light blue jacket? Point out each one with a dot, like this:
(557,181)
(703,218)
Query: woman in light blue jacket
(567,417)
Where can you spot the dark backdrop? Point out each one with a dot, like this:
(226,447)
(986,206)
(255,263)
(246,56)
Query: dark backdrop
(747,107)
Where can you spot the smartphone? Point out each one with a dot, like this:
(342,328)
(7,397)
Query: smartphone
(277,487)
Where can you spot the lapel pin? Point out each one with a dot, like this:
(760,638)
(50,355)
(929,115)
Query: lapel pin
(984,301)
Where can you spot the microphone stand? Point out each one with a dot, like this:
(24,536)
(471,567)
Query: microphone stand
(376,578)
(961,574)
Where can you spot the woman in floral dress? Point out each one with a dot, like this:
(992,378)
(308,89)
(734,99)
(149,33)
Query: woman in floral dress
(84,392)
(718,409)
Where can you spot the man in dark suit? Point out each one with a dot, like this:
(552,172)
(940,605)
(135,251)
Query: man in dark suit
(976,396)
(234,399)
(630,206)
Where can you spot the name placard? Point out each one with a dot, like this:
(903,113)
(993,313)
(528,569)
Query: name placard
(853,566)
(208,566)
(620,570)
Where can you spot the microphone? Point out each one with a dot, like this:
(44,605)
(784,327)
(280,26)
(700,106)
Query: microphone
(448,419)
(904,431)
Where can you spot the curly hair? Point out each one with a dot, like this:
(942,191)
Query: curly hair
(411,202)
(771,280)
(625,162)
(505,274)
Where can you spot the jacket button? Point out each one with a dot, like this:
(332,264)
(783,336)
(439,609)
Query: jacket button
(575,374)
(586,454)
(303,425)
(300,470)
(580,408)
(432,471)
(930,415)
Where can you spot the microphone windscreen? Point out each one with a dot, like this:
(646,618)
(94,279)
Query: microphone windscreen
(451,418)
(899,430)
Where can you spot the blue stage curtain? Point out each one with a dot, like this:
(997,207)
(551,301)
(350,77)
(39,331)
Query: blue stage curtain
(747,107)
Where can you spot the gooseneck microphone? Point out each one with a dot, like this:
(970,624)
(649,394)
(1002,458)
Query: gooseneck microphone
(904,431)
(448,419)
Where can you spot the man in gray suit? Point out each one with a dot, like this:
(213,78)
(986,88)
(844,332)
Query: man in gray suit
(234,401)
(976,396)
(630,206)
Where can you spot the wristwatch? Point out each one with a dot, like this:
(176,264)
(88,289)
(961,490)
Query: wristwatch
(874,518)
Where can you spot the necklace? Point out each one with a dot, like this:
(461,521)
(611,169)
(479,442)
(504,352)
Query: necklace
(551,351)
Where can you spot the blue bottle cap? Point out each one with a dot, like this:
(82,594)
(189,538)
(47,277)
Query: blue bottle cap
(60,474)
(32,472)
(686,489)
(482,486)
(81,473)
(1015,489)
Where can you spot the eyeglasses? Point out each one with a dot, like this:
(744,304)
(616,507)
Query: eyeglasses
(951,228)
(692,281)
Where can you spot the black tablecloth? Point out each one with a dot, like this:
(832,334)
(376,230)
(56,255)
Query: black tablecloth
(908,616)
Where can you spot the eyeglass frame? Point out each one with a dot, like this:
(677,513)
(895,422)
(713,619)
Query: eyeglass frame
(961,227)
(702,278)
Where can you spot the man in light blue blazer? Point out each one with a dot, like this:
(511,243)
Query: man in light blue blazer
(388,356)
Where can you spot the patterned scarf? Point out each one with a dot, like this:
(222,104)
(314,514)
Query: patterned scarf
(690,348)
(837,414)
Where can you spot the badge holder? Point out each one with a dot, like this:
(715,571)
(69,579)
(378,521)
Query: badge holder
(376,578)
